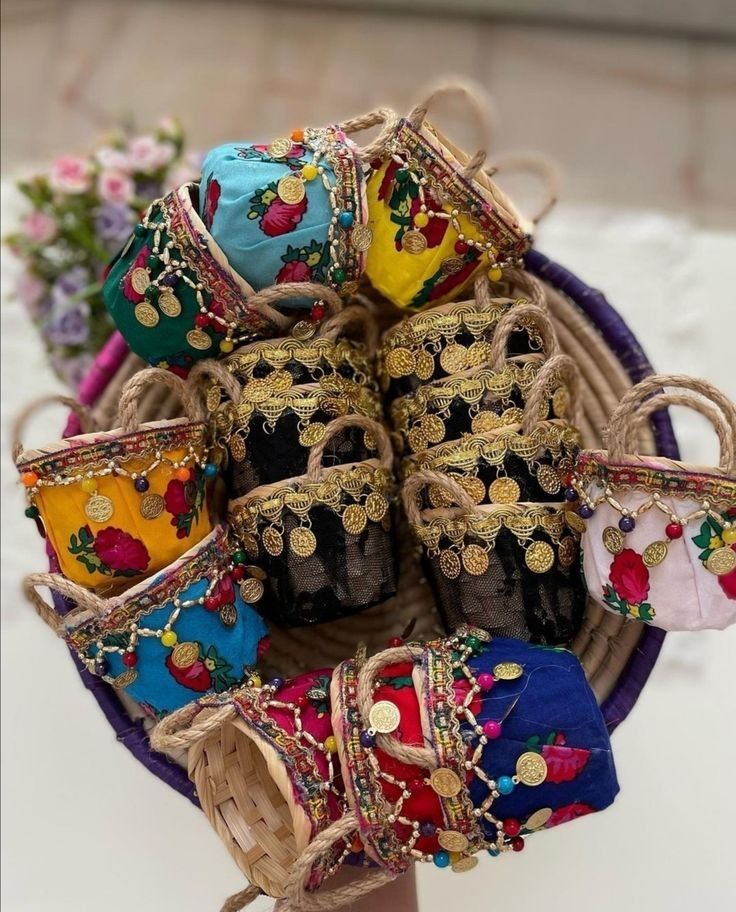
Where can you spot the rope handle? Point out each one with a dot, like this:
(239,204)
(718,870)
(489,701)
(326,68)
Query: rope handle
(425,477)
(480,106)
(355,315)
(539,165)
(86,419)
(212,370)
(87,603)
(287,290)
(376,148)
(376,430)
(520,281)
(558,365)
(130,398)
(519,317)
(185,727)
(651,390)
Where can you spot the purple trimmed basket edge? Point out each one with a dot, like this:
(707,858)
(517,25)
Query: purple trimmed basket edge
(629,352)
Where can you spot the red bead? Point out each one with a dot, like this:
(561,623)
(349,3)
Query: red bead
(511,827)
(238,573)
(517,844)
(302,700)
(673,530)
(130,659)
(201,320)
(395,641)
(568,479)
(318,311)
(212,602)
(486,681)
(461,247)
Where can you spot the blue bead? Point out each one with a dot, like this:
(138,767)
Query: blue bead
(627,524)
(571,494)
(101,665)
(141,485)
(441,859)
(276,683)
(494,851)
(210,470)
(346,219)
(367,739)
(585,511)
(505,785)
(170,279)
(427,828)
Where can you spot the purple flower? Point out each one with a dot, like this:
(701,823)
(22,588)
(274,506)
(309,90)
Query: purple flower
(67,324)
(114,222)
(68,284)
(72,370)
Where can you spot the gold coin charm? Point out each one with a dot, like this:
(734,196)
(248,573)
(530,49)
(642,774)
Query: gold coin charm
(291,189)
(560,402)
(152,506)
(424,366)
(128,677)
(464,864)
(185,655)
(399,362)
(475,560)
(228,614)
(281,381)
(169,304)
(531,768)
(433,428)
(140,280)
(450,564)
(354,519)
(548,479)
(540,557)
(376,506)
(361,237)
(212,400)
(721,561)
(654,553)
(538,819)
(478,353)
(302,541)
(414,242)
(146,315)
(237,448)
(485,421)
(613,540)
(384,717)
(280,147)
(567,551)
(99,508)
(453,841)
(504,491)
(303,330)
(251,590)
(273,541)
(199,339)
(454,358)
(417,440)
(312,434)
(507,671)
(452,265)
(445,782)
(474,486)
(575,522)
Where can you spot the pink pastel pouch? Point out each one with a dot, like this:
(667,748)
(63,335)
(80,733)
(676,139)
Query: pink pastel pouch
(660,538)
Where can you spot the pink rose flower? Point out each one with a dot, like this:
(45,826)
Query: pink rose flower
(70,174)
(120,551)
(146,155)
(115,187)
(39,227)
(630,577)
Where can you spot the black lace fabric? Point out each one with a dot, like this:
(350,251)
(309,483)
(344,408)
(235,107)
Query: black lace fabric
(346,574)
(510,600)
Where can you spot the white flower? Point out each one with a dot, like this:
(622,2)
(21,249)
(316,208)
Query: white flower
(112,159)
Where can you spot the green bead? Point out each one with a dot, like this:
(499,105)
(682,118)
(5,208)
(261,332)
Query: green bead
(472,643)
(339,275)
(152,293)
(153,261)
(239,557)
(402,175)
(32,512)
(140,231)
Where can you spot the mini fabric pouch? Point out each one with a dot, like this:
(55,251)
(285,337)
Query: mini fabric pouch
(175,297)
(184,632)
(119,505)
(659,542)
(291,211)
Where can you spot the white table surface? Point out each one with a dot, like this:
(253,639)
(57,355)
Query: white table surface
(86,827)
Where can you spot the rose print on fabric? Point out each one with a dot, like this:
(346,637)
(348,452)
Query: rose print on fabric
(111,552)
(140,262)
(184,501)
(441,283)
(563,763)
(402,195)
(276,216)
(569,812)
(629,586)
(211,199)
(209,671)
(710,538)
(305,264)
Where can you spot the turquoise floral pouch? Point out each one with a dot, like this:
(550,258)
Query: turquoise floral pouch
(291,211)
(187,631)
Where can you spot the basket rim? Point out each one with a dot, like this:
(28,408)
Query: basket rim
(618,337)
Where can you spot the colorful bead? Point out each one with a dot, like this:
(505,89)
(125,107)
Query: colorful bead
(153,293)
(492,729)
(239,557)
(169,638)
(346,219)
(486,681)
(254,680)
(517,844)
(201,320)
(473,643)
(302,700)
(627,524)
(276,683)
(511,827)
(227,345)
(421,220)
(494,851)
(395,642)
(673,530)
(130,659)
(441,859)
(140,231)
(170,279)
(183,474)
(505,784)
(32,512)
(367,739)
(309,172)
(238,573)
(89,485)
(495,273)
(331,744)
(729,536)
(338,275)
(210,470)
(212,602)
(101,665)
(427,828)
(402,175)
(585,511)
(29,479)
(461,247)
(317,312)
(571,494)
(297,135)
(356,845)
(141,485)
(153,261)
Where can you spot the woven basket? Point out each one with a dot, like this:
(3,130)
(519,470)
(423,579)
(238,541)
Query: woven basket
(618,655)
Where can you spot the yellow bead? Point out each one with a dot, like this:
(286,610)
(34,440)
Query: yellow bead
(421,219)
(255,680)
(226,345)
(89,485)
(309,172)
(495,273)
(169,638)
(729,536)
(331,744)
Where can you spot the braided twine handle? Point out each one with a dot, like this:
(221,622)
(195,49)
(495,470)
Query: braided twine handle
(286,291)
(649,396)
(481,108)
(356,315)
(559,365)
(204,372)
(422,479)
(376,430)
(130,398)
(87,603)
(539,165)
(20,421)
(376,148)
(519,317)
(522,283)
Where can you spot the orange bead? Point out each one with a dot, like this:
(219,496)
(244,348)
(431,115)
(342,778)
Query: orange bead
(29,479)
(183,474)
(297,135)
(356,845)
